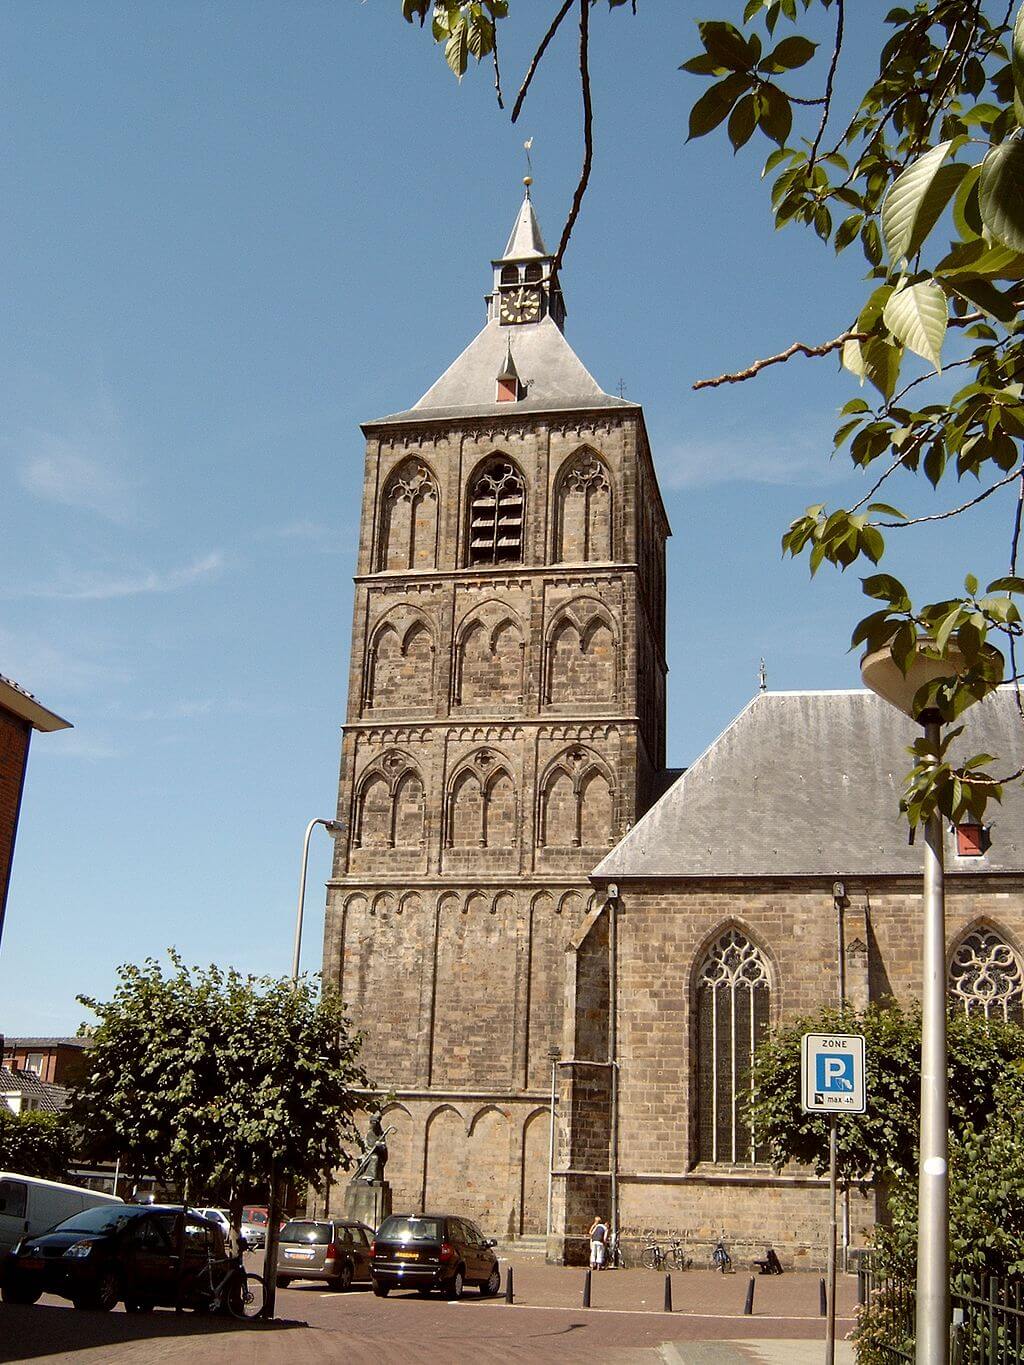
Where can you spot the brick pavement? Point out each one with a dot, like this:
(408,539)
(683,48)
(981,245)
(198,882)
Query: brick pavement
(547,1323)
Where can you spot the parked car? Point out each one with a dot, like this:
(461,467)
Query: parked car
(29,1205)
(218,1216)
(324,1249)
(255,1234)
(426,1251)
(144,1254)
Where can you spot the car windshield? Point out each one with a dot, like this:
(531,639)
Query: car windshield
(317,1233)
(409,1230)
(100,1218)
(257,1216)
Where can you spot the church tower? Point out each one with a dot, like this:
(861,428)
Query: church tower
(505,728)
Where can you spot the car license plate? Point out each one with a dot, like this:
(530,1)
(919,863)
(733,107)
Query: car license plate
(31,1263)
(408,1255)
(303,1255)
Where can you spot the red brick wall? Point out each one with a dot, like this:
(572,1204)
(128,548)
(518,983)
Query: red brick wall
(14,738)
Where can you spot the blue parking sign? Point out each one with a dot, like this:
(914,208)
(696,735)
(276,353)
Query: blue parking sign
(833,1073)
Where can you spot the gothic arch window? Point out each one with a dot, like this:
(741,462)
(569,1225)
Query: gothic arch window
(408,532)
(733,998)
(581,657)
(390,806)
(497,503)
(482,807)
(401,667)
(489,664)
(986,978)
(577,803)
(584,511)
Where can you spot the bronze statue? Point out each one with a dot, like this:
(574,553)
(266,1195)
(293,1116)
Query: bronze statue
(370,1170)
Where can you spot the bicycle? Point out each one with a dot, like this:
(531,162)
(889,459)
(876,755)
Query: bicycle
(677,1251)
(720,1258)
(653,1255)
(238,1290)
(613,1258)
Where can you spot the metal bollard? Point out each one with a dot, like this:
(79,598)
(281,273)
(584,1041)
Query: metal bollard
(668,1293)
(822,1298)
(862,1287)
(509,1290)
(586,1291)
(748,1307)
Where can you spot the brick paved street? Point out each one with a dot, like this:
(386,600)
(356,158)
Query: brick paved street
(547,1323)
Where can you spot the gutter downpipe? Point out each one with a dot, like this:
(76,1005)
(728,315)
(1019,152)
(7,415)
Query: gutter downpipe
(612,903)
(839,901)
(551,1140)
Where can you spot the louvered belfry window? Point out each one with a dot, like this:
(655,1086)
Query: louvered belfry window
(733,1003)
(496,504)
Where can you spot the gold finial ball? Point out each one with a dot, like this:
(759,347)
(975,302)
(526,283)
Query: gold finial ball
(527,180)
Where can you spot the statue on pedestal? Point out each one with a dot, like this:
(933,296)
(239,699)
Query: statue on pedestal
(370,1170)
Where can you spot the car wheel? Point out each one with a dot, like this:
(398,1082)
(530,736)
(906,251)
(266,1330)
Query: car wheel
(491,1285)
(344,1280)
(20,1293)
(282,1281)
(453,1289)
(381,1290)
(104,1295)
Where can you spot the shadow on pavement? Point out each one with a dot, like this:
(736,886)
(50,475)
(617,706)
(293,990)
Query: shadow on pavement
(43,1330)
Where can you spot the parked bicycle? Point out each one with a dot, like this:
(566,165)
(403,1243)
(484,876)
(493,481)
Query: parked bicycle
(720,1258)
(655,1257)
(613,1258)
(238,1290)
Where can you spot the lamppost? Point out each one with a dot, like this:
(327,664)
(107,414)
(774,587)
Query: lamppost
(333,829)
(883,676)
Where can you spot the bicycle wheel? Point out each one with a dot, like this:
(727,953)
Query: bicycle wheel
(246,1296)
(680,1258)
(652,1258)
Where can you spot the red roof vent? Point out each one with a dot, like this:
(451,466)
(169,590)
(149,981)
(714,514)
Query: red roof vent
(971,841)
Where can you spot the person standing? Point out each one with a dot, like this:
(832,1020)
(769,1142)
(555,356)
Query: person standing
(598,1238)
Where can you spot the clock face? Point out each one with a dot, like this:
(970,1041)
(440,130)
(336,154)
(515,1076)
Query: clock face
(520,305)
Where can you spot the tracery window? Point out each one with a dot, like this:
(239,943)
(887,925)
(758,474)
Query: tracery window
(733,999)
(496,503)
(409,523)
(986,978)
(584,511)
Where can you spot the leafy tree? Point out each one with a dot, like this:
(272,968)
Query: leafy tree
(924,167)
(983,1055)
(211,1079)
(36,1143)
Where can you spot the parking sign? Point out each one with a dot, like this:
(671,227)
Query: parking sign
(832,1073)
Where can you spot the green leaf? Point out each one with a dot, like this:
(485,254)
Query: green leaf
(776,118)
(1017,54)
(916,199)
(715,104)
(987,297)
(790,53)
(726,44)
(1001,194)
(742,122)
(886,589)
(456,49)
(1009,584)
(882,364)
(918,315)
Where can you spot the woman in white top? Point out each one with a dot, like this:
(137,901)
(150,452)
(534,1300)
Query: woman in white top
(598,1236)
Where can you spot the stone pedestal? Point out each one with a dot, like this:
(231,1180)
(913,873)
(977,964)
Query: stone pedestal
(369,1204)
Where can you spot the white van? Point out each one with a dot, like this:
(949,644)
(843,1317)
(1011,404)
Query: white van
(29,1205)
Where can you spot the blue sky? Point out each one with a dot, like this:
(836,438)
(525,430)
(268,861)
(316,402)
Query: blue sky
(232,231)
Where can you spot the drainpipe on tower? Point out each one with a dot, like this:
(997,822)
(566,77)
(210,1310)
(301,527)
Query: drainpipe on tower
(613,1065)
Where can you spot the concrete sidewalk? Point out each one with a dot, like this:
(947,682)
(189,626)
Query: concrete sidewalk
(779,1352)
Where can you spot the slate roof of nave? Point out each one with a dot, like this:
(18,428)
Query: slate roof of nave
(808,783)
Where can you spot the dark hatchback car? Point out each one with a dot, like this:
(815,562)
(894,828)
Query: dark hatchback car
(321,1249)
(426,1251)
(143,1254)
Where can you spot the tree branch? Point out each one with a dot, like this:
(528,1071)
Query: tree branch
(588,136)
(531,70)
(953,511)
(797,348)
(828,84)
(497,68)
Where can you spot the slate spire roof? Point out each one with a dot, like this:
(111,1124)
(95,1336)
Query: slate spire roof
(525,242)
(808,784)
(553,377)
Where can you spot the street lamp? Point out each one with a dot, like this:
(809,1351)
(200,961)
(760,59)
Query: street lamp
(883,676)
(333,829)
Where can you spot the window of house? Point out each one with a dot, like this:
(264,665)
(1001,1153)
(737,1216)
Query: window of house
(971,840)
(34,1063)
(496,503)
(733,997)
(986,978)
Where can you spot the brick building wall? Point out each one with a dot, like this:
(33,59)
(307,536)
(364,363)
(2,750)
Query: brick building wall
(504,730)
(663,931)
(14,740)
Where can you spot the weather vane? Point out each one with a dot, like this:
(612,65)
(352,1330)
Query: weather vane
(528,177)
(762,677)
